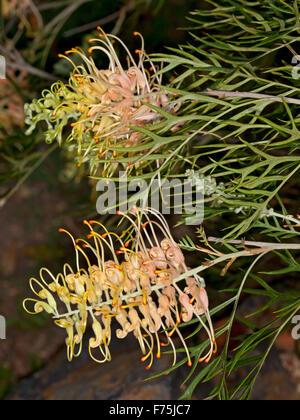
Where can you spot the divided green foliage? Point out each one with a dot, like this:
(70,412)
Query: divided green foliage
(237,85)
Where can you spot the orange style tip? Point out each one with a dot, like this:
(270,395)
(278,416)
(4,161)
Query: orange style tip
(79,165)
(207,361)
(190,364)
(144,226)
(90,41)
(54,114)
(148,368)
(91,222)
(135,33)
(166,373)
(158,356)
(60,230)
(213,340)
(118,213)
(84,246)
(60,56)
(90,51)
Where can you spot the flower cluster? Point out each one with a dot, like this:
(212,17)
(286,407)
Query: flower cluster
(102,106)
(138,287)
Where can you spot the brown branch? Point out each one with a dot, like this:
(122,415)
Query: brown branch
(221,94)
(32,70)
(15,61)
(65,14)
(269,245)
(120,15)
(92,25)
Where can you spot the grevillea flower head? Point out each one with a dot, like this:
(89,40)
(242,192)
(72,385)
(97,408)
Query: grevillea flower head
(102,106)
(139,287)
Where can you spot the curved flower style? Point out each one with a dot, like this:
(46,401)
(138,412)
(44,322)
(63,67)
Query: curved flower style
(138,287)
(103,105)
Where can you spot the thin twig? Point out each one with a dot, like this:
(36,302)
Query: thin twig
(15,61)
(37,14)
(32,70)
(121,18)
(92,25)
(286,218)
(64,14)
(53,5)
(227,94)
(293,51)
(256,244)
